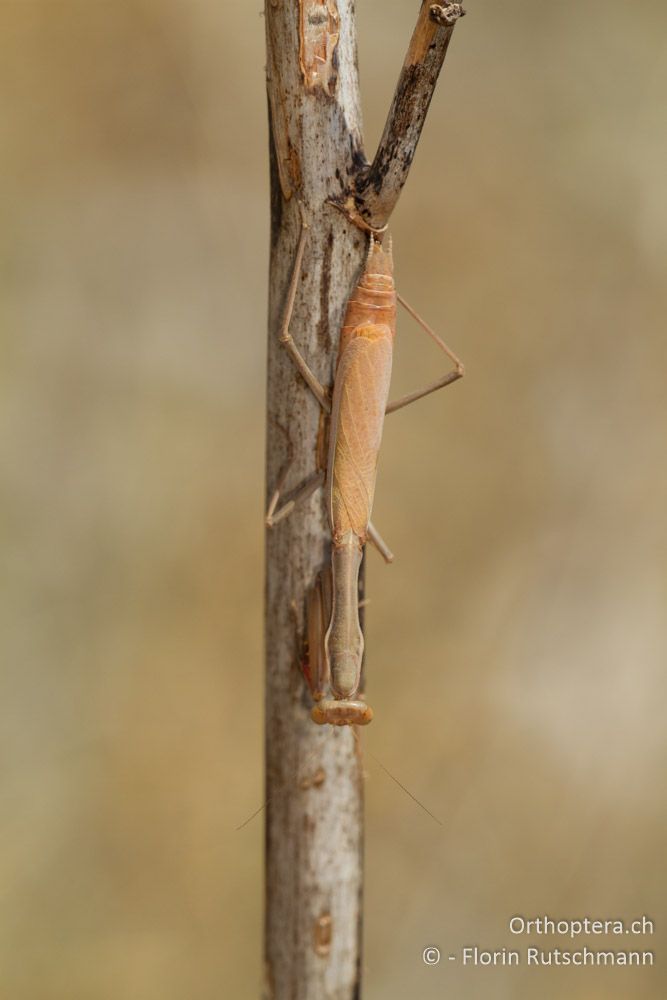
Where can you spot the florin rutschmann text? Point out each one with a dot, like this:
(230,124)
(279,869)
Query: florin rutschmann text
(554,956)
(547,955)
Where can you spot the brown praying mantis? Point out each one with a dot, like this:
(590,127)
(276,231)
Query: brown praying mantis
(356,408)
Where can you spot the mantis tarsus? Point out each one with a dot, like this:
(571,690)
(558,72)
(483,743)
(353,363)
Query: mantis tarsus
(357,408)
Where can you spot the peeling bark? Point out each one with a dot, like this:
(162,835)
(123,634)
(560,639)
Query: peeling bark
(318,39)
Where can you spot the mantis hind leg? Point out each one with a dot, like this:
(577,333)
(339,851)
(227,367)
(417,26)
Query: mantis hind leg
(275,514)
(297,496)
(376,539)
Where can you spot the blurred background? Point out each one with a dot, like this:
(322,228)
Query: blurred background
(516,648)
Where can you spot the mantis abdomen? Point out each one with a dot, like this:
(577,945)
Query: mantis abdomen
(344,640)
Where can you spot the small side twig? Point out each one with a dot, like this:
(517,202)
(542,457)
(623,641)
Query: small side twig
(378,187)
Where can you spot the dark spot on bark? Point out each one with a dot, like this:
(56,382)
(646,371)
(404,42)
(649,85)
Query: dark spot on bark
(276,191)
(357,155)
(309,825)
(356,995)
(323,331)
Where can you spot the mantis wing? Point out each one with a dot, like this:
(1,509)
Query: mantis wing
(360,394)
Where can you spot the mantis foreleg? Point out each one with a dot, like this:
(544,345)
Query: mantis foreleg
(313,383)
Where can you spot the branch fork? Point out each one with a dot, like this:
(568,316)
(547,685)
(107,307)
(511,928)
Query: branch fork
(376,187)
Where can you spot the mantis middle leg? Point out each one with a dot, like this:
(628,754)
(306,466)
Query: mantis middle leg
(457,372)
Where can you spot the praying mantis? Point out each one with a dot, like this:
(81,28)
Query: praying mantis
(356,409)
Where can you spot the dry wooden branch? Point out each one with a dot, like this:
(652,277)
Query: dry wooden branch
(377,187)
(314,816)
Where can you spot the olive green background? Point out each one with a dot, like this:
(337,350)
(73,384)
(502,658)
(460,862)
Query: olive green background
(516,648)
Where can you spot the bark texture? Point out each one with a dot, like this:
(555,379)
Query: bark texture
(314,792)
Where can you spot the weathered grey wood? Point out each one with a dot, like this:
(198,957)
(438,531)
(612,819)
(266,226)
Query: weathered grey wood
(314,792)
(313,774)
